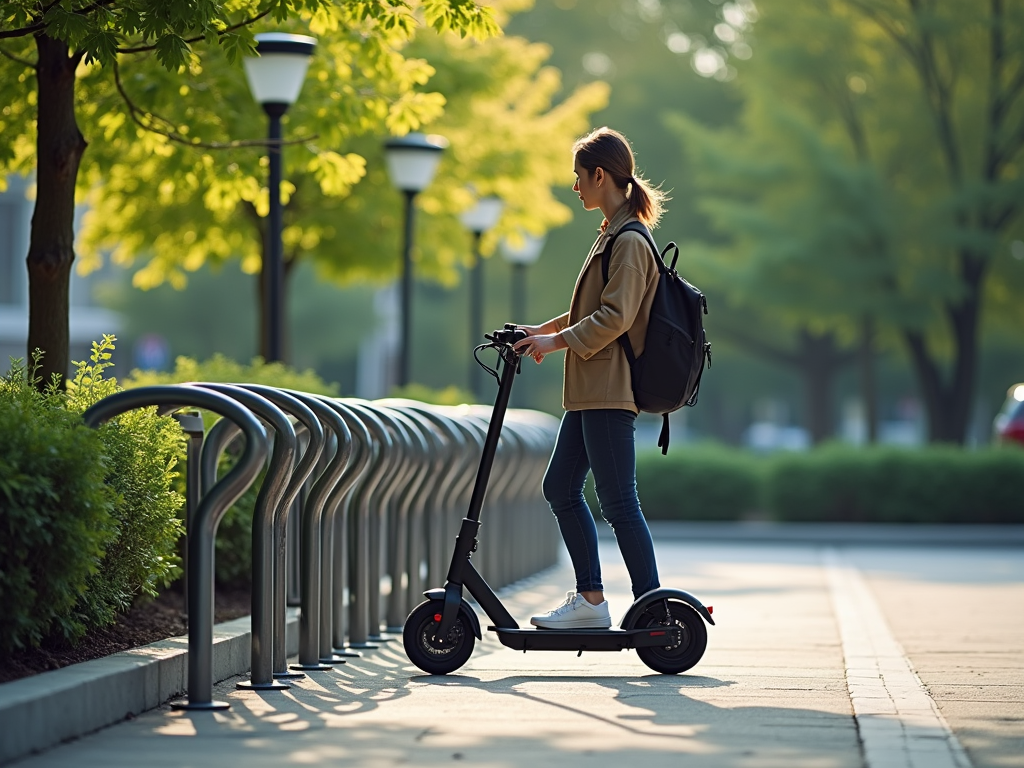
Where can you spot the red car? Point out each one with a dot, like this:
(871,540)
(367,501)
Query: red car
(1009,424)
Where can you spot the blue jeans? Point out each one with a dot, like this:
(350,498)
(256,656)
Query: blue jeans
(600,440)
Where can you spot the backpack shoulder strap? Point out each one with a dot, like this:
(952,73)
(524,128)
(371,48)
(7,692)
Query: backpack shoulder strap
(633,226)
(606,257)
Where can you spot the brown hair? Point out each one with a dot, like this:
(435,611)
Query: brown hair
(610,150)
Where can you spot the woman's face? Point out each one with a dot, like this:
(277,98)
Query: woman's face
(585,186)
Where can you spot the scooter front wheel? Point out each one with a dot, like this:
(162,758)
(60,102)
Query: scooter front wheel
(433,654)
(694,637)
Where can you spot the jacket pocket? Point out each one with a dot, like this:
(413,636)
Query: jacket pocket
(590,377)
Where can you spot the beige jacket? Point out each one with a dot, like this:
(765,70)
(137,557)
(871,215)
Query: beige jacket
(596,368)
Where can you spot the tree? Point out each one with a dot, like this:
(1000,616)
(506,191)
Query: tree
(922,101)
(492,98)
(799,265)
(61,59)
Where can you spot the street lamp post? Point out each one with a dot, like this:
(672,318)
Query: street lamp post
(411,160)
(275,78)
(478,219)
(521,256)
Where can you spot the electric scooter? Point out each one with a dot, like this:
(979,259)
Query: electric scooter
(665,626)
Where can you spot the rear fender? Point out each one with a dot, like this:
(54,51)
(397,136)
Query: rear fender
(464,609)
(637,609)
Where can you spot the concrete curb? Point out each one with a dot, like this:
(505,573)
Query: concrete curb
(46,709)
(836,534)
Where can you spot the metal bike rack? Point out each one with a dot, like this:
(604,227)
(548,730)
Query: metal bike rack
(350,474)
(268,501)
(399,516)
(191,423)
(312,431)
(380,488)
(208,514)
(333,633)
(310,533)
(361,504)
(399,474)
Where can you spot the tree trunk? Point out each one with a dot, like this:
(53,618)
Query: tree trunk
(51,252)
(819,361)
(948,406)
(869,391)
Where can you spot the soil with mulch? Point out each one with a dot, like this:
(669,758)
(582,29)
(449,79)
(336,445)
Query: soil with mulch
(146,623)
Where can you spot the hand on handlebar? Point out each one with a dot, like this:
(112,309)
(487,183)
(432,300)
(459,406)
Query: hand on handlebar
(538,345)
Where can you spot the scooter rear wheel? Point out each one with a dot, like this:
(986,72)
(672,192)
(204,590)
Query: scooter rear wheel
(432,654)
(677,658)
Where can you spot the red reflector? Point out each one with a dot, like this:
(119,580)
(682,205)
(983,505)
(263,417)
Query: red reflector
(657,634)
(437,617)
(711,609)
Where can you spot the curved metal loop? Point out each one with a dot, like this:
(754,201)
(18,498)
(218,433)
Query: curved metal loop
(445,456)
(399,531)
(383,458)
(310,530)
(400,473)
(268,502)
(358,459)
(339,508)
(310,428)
(211,509)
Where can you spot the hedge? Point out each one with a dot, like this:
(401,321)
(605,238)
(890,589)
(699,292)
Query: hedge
(55,513)
(707,482)
(935,484)
(835,483)
(832,483)
(88,517)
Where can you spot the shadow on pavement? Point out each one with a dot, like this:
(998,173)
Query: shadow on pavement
(370,717)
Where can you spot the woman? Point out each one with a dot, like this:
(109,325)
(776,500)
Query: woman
(597,429)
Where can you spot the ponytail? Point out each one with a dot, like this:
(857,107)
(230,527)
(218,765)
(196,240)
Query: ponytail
(645,202)
(610,150)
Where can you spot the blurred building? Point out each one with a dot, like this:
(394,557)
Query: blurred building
(377,366)
(88,322)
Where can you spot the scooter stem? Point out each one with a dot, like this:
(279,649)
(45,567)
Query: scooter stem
(466,541)
(510,367)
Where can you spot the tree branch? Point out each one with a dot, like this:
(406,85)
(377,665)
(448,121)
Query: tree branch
(939,93)
(31,29)
(148,122)
(936,91)
(18,59)
(1013,90)
(239,25)
(900,39)
(40,25)
(995,75)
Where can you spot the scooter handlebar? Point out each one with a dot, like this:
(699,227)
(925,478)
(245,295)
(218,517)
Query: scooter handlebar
(510,334)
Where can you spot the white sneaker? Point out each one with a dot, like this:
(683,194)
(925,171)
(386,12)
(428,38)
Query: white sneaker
(575,613)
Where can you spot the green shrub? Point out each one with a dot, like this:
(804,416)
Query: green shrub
(89,516)
(142,452)
(700,482)
(933,484)
(56,514)
(234,534)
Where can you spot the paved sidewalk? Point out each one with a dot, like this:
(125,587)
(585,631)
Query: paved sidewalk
(771,691)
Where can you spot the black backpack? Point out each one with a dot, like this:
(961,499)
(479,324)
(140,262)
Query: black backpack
(667,375)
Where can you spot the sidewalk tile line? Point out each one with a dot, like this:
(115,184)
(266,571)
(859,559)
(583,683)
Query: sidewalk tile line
(899,724)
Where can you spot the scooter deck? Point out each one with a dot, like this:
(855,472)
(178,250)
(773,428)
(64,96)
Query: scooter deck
(613,639)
